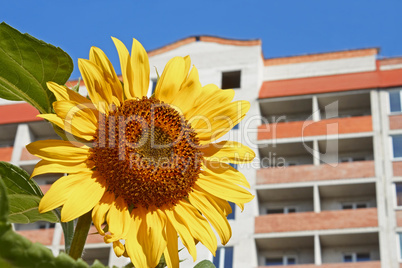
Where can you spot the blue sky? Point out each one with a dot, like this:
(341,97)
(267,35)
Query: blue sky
(286,27)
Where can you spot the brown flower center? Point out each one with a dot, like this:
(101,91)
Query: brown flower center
(147,152)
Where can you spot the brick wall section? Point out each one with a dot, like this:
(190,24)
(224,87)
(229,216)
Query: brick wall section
(398,215)
(397,168)
(325,220)
(5,153)
(25,155)
(367,264)
(310,128)
(395,121)
(43,236)
(349,170)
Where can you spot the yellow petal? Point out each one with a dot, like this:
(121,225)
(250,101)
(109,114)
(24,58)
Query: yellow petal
(76,131)
(56,150)
(197,225)
(223,171)
(170,82)
(140,67)
(84,198)
(212,96)
(217,122)
(77,115)
(224,189)
(99,91)
(44,166)
(64,93)
(189,92)
(60,191)
(228,151)
(185,235)
(152,234)
(126,68)
(211,212)
(171,252)
(100,210)
(98,57)
(118,219)
(133,247)
(118,248)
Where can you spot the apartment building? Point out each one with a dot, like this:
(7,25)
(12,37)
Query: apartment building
(327,130)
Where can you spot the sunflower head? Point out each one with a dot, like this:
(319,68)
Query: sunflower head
(148,167)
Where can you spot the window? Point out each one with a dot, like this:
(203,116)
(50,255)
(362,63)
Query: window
(400,246)
(223,257)
(356,257)
(284,210)
(395,101)
(285,260)
(398,189)
(354,205)
(231,79)
(231,216)
(153,85)
(397,146)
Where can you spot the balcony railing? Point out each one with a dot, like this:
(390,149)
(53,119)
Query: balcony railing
(366,264)
(281,130)
(347,170)
(325,220)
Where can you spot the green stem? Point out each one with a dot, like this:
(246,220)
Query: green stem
(80,235)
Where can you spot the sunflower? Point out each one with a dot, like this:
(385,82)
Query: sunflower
(147,167)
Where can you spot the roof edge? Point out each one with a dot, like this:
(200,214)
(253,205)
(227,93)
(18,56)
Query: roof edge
(204,38)
(333,55)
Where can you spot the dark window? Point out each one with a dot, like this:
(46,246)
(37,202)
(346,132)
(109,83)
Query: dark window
(275,211)
(361,205)
(153,85)
(398,187)
(231,216)
(217,257)
(273,261)
(395,101)
(231,79)
(227,254)
(291,210)
(348,258)
(397,146)
(362,257)
(291,260)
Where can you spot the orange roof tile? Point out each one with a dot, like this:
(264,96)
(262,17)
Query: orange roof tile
(322,56)
(333,83)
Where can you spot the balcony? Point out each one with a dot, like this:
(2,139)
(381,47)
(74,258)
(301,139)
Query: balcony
(281,130)
(347,250)
(366,264)
(302,173)
(325,220)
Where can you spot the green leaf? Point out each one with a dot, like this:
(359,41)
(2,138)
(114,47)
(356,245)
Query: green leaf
(19,184)
(23,196)
(205,264)
(18,252)
(17,180)
(26,64)
(24,209)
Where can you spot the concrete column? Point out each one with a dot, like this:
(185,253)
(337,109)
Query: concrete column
(317,250)
(316,110)
(316,153)
(58,230)
(316,196)
(22,138)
